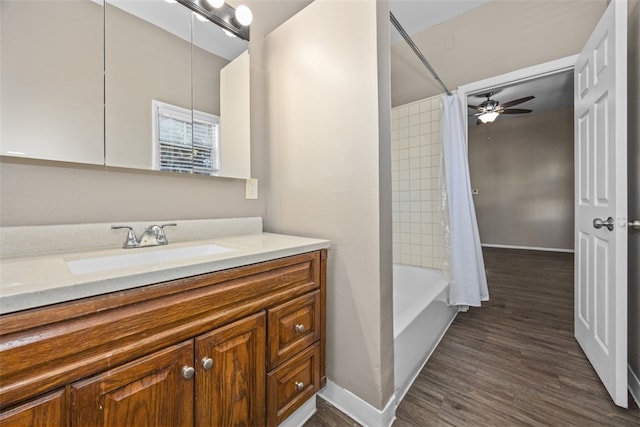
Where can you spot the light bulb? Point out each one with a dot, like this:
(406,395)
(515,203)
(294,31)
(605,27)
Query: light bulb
(244,15)
(488,117)
(215,3)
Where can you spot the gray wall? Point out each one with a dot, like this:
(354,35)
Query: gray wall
(329,136)
(523,169)
(634,186)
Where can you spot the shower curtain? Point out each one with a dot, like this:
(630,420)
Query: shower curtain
(465,263)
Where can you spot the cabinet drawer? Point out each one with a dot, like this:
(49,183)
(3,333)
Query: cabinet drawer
(292,384)
(293,326)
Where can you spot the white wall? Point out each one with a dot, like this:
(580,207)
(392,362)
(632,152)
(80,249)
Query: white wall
(235,113)
(634,189)
(328,115)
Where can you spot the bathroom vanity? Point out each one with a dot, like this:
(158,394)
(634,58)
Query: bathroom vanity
(234,338)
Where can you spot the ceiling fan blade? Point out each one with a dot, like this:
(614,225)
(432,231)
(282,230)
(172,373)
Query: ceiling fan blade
(515,111)
(517,101)
(479,122)
(473,107)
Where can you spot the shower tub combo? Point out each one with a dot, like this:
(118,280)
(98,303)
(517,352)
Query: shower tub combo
(421,316)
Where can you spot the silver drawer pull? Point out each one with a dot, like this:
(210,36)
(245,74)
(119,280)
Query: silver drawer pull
(188,372)
(299,385)
(299,328)
(207,363)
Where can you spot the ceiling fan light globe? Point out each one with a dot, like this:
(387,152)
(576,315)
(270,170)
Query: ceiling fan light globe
(488,117)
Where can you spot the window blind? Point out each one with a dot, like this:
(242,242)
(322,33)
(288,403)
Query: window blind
(186,142)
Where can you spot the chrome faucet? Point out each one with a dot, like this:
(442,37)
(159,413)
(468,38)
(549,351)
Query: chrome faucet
(152,236)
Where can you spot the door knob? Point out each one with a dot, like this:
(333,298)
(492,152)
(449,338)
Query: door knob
(634,225)
(609,223)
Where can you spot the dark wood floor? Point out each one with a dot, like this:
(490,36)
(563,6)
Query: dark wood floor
(513,362)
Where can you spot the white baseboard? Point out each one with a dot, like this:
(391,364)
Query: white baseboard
(528,248)
(634,385)
(357,408)
(301,415)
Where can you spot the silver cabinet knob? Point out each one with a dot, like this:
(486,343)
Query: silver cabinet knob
(634,225)
(299,385)
(299,328)
(188,372)
(207,363)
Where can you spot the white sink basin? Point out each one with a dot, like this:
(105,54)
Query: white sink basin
(134,259)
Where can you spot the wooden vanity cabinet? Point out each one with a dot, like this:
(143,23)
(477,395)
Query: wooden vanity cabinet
(47,410)
(220,349)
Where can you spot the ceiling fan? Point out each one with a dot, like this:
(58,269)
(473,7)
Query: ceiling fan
(490,109)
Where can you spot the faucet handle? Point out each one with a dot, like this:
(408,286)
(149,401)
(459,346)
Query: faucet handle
(160,236)
(132,240)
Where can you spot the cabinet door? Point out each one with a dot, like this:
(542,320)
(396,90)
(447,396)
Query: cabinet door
(150,391)
(48,410)
(230,385)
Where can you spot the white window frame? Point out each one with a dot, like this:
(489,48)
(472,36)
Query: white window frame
(188,116)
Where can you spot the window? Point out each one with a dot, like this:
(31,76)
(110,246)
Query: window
(185,141)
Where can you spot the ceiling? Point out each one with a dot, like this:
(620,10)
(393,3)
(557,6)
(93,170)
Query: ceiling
(416,16)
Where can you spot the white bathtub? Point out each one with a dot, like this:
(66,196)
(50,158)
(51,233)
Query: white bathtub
(421,316)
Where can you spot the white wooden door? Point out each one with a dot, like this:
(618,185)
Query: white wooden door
(600,101)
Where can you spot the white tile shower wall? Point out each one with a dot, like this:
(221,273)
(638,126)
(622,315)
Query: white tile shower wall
(415,155)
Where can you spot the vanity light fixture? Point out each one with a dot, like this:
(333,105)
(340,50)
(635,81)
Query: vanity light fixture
(244,15)
(236,21)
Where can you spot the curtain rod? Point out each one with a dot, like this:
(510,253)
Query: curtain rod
(419,54)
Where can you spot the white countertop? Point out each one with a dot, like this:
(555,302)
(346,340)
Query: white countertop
(39,280)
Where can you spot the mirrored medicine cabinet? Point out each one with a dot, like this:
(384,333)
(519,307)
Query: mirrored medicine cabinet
(125,83)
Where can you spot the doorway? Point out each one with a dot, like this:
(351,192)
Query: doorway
(522,165)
